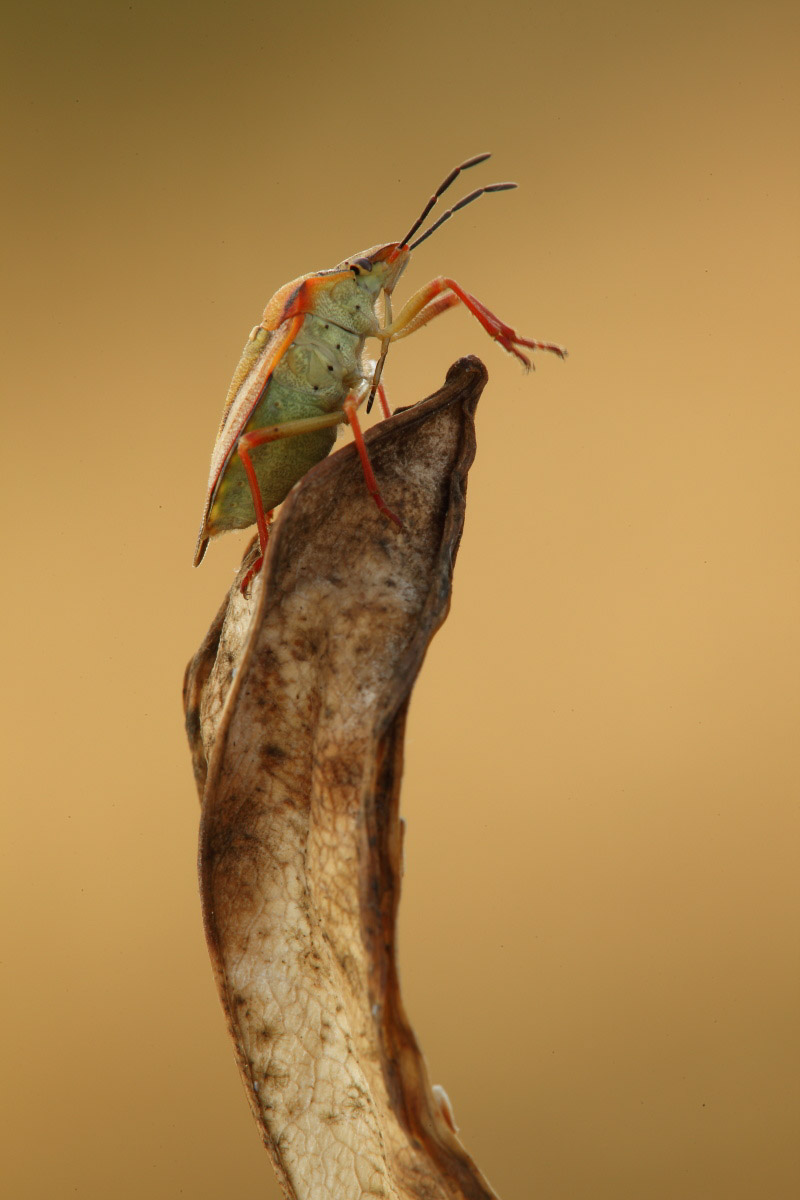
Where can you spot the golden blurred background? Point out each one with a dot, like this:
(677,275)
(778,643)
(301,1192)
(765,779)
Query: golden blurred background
(599,930)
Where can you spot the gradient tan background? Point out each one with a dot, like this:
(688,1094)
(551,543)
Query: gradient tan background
(599,928)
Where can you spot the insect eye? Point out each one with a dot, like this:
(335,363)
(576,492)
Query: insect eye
(361,264)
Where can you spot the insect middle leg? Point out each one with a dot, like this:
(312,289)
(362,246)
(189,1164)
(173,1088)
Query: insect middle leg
(271,433)
(260,437)
(442,293)
(351,405)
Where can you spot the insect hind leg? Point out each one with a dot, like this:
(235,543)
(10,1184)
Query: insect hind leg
(258,564)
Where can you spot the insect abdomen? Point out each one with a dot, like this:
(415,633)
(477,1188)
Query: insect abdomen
(315,375)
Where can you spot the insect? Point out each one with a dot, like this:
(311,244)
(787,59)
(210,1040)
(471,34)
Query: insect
(303,372)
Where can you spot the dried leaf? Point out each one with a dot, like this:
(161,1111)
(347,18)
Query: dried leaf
(296,707)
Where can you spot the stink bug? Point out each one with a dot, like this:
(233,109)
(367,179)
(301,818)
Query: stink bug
(303,372)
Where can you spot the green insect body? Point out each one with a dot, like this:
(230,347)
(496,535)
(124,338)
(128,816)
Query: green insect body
(304,371)
(318,371)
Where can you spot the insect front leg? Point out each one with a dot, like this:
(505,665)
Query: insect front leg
(432,309)
(442,293)
(393,332)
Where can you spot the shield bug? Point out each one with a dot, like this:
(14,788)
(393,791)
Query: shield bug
(303,372)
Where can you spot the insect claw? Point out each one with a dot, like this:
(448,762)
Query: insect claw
(511,344)
(551,346)
(512,349)
(383,507)
(251,574)
(387,512)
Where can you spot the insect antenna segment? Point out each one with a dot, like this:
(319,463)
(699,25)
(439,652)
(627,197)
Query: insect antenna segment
(492,187)
(451,178)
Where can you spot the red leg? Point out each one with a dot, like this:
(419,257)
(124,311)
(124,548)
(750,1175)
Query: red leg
(246,444)
(259,437)
(387,412)
(425,305)
(508,338)
(432,309)
(258,564)
(350,406)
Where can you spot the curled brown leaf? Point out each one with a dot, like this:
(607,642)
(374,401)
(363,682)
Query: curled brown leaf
(296,707)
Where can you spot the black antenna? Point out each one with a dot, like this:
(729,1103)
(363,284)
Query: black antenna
(493,187)
(404,244)
(451,178)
